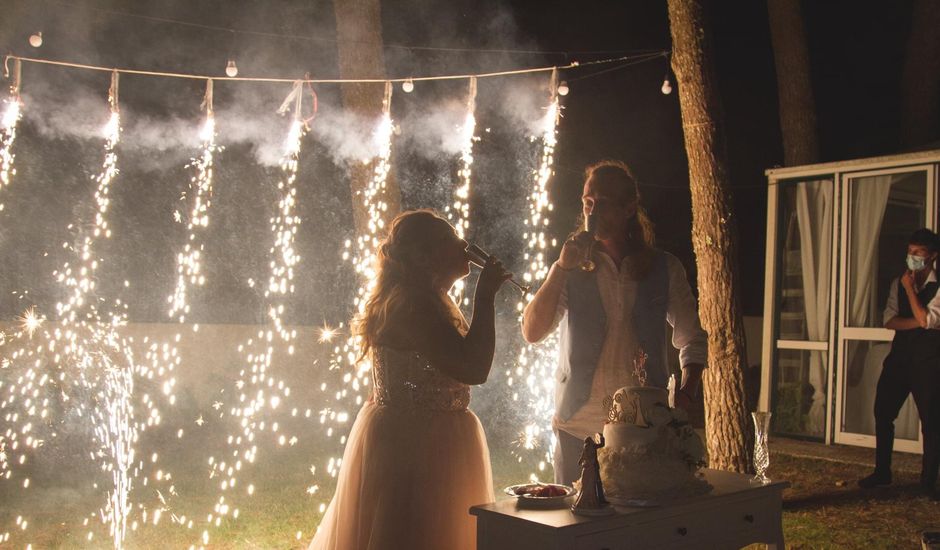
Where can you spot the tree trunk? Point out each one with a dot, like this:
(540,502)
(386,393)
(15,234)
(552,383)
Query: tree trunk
(797,109)
(920,84)
(359,37)
(727,423)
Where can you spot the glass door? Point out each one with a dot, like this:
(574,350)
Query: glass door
(800,389)
(880,210)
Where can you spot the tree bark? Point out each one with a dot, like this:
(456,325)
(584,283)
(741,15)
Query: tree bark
(359,37)
(797,108)
(920,81)
(727,423)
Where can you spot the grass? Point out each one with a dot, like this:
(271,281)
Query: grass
(823,508)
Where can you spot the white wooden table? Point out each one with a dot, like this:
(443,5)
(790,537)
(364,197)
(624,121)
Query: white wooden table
(733,515)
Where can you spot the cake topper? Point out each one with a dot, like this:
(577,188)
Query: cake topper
(639,365)
(590,500)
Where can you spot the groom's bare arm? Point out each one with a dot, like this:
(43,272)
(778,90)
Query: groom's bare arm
(538,318)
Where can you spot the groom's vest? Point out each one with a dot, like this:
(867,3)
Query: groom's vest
(585,329)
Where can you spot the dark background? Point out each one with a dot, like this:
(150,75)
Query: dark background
(856,52)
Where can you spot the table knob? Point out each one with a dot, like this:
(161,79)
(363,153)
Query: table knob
(682,531)
(749,518)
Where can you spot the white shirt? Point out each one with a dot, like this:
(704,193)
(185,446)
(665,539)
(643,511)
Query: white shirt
(932,307)
(615,366)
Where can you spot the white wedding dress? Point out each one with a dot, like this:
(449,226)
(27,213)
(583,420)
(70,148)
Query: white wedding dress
(415,461)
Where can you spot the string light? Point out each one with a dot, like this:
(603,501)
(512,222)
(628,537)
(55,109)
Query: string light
(408,86)
(667,87)
(35,39)
(563,88)
(230,69)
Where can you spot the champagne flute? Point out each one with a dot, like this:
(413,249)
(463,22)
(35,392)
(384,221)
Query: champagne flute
(590,226)
(479,257)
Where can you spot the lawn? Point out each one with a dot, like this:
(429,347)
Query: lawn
(822,509)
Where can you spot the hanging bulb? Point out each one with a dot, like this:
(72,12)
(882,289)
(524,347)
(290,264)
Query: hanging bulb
(35,39)
(230,69)
(407,86)
(667,87)
(563,88)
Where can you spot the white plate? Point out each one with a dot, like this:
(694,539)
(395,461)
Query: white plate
(531,501)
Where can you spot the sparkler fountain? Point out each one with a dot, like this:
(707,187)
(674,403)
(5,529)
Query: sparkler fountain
(355,377)
(11,116)
(537,362)
(189,261)
(459,211)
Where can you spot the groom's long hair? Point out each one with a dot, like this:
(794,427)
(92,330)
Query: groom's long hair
(640,234)
(403,278)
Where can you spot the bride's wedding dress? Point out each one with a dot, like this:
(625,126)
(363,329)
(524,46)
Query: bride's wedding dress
(415,461)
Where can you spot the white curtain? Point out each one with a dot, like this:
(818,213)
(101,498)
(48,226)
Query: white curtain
(814,211)
(869,199)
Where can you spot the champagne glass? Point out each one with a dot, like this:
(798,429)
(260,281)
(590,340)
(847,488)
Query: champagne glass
(479,257)
(761,452)
(590,226)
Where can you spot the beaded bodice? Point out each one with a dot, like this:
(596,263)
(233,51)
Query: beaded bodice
(405,379)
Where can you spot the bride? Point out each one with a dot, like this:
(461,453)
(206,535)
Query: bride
(416,458)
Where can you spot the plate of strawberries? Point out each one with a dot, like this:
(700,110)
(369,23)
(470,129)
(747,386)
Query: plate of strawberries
(540,495)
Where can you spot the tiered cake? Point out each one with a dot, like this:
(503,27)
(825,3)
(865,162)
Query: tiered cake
(651,454)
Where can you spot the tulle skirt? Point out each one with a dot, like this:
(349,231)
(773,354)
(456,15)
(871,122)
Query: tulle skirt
(407,480)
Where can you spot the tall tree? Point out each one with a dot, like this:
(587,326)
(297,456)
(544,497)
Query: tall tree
(359,37)
(920,81)
(797,108)
(714,238)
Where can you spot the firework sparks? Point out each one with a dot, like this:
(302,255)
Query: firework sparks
(327,334)
(459,212)
(189,261)
(355,375)
(536,363)
(30,321)
(258,389)
(11,117)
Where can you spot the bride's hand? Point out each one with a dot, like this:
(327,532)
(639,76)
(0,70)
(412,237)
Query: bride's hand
(492,277)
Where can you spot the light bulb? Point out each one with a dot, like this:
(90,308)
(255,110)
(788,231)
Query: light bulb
(230,69)
(563,88)
(667,87)
(407,86)
(35,39)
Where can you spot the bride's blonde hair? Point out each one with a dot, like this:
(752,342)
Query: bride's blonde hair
(404,276)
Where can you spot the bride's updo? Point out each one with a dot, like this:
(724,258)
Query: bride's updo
(404,275)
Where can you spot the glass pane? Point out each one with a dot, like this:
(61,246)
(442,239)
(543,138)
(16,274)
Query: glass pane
(863,367)
(883,212)
(799,392)
(805,259)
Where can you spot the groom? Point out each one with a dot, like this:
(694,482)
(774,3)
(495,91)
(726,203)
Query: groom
(611,310)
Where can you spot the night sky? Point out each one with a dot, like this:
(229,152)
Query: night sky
(617,114)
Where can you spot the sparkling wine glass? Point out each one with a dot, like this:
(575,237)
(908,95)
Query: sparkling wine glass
(590,225)
(761,451)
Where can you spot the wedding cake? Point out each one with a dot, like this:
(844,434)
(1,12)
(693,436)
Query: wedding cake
(651,454)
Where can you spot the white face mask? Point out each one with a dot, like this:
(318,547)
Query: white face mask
(916,263)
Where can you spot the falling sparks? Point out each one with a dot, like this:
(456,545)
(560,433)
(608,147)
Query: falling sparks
(258,389)
(30,321)
(536,362)
(459,211)
(327,334)
(189,261)
(11,117)
(354,375)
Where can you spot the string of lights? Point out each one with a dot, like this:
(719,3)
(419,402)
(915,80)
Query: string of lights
(407,82)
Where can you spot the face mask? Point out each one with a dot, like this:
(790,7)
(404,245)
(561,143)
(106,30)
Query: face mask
(916,263)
